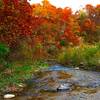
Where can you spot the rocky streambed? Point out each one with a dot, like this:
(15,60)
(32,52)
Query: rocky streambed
(61,83)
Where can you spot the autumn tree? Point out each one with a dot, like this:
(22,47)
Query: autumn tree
(57,22)
(15,23)
(89,22)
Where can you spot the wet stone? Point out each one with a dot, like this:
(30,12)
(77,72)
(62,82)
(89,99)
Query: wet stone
(64,87)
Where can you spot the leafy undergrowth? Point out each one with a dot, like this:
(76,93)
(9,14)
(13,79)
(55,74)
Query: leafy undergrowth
(85,56)
(17,72)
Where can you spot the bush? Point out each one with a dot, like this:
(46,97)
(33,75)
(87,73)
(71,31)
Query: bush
(4,50)
(83,55)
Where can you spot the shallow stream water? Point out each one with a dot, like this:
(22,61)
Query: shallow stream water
(62,83)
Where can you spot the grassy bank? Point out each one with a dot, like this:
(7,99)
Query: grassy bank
(17,72)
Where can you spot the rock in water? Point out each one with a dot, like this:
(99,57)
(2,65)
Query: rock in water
(64,87)
(9,96)
(77,68)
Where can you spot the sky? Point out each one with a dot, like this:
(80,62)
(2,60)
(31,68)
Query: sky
(74,4)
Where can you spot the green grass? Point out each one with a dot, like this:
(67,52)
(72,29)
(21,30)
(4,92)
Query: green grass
(17,73)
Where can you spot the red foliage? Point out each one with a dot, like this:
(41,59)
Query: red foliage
(14,23)
(71,36)
(45,24)
(7,2)
(66,13)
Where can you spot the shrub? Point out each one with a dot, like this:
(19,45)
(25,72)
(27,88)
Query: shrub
(4,50)
(86,55)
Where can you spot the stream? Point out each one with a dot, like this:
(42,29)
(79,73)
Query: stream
(62,83)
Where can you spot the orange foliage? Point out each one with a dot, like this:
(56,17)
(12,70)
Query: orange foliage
(56,21)
(42,23)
